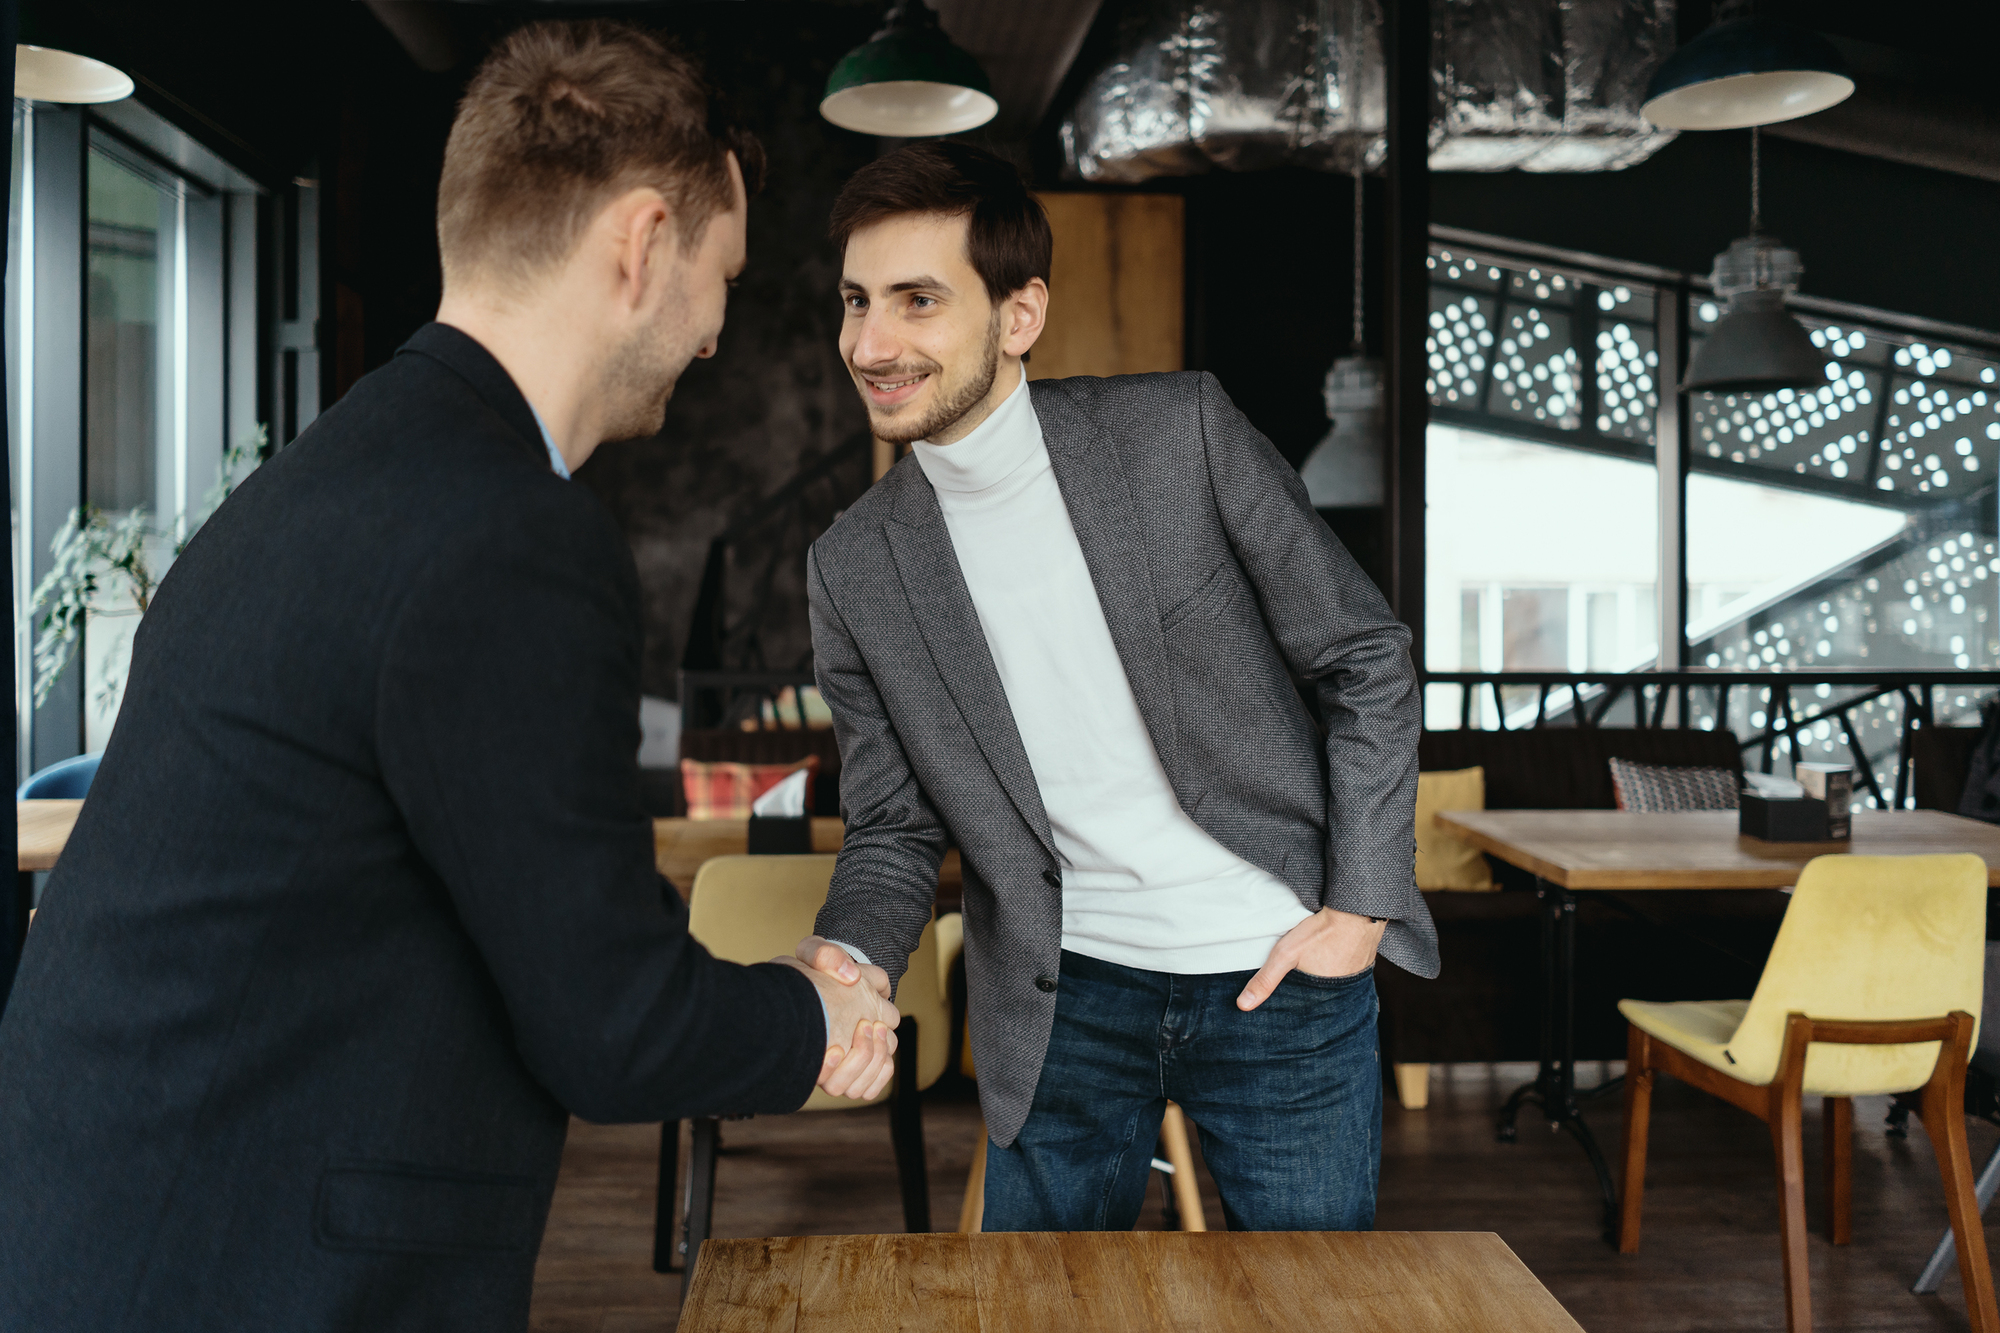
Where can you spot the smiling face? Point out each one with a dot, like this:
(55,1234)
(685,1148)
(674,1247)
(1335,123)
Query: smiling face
(930,352)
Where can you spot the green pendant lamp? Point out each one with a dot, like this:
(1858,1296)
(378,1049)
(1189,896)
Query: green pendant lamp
(1746,70)
(908,81)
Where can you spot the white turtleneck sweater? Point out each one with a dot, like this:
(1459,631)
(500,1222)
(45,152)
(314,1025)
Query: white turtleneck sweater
(1143,885)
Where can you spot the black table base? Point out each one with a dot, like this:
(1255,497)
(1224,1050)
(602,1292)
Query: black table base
(1554,1089)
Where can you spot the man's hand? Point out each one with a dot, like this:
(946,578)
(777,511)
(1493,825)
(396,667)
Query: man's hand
(1329,943)
(864,1067)
(825,956)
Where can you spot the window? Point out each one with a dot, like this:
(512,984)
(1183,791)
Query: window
(141,328)
(1848,525)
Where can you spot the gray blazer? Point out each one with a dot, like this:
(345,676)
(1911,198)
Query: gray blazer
(1219,584)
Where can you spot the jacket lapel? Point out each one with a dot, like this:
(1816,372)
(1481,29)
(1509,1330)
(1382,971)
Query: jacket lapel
(1101,511)
(935,586)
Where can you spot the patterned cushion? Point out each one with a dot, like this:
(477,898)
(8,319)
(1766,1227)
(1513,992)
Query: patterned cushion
(1657,787)
(726,791)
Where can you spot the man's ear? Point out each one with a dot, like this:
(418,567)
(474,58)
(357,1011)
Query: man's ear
(642,227)
(1023,315)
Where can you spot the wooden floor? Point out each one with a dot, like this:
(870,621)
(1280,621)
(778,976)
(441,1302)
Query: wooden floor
(1710,1259)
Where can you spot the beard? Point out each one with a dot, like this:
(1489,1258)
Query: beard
(950,402)
(639,380)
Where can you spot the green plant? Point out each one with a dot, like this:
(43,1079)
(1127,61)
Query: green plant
(103,566)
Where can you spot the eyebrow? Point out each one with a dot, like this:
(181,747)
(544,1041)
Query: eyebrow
(921,283)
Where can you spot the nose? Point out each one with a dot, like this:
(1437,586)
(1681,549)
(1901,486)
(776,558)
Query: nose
(876,344)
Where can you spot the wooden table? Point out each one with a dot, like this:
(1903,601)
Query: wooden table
(1700,849)
(1120,1282)
(1572,851)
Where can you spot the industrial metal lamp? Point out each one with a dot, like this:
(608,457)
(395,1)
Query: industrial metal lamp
(44,74)
(1745,71)
(908,81)
(1755,347)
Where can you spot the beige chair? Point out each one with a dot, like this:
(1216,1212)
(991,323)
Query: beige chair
(1870,988)
(750,909)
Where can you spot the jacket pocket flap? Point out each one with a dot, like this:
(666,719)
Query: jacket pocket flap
(424,1210)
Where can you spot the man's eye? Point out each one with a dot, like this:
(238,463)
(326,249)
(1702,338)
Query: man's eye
(857,303)
(923,302)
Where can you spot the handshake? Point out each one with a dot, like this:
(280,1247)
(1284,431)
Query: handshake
(863,1068)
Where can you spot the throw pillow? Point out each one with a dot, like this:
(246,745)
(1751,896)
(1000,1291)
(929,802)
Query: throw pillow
(1657,787)
(726,791)
(1445,861)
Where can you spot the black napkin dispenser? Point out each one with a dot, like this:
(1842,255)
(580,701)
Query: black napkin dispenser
(1783,818)
(780,835)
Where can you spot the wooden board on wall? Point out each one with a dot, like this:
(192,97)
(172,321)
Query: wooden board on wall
(1115,286)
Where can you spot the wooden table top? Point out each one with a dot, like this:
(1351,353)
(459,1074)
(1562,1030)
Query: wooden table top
(1120,1282)
(1699,849)
(43,827)
(679,845)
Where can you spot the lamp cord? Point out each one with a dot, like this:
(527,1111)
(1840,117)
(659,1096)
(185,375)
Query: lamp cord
(1756,191)
(1360,158)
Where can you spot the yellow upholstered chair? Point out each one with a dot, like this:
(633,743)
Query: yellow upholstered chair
(750,909)
(1871,988)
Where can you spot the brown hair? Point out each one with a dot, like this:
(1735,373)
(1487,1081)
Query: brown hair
(1007,237)
(562,117)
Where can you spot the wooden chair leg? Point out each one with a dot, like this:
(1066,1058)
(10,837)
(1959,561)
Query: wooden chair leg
(1187,1193)
(1944,1120)
(906,1131)
(1788,1145)
(663,1211)
(973,1211)
(1638,1123)
(705,1142)
(1837,1124)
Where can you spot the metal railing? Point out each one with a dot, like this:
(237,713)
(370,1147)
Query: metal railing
(1873,713)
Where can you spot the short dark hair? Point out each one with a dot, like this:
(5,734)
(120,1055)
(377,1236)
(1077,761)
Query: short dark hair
(1007,235)
(562,117)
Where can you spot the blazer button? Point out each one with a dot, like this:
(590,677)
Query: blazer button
(1045,984)
(1052,878)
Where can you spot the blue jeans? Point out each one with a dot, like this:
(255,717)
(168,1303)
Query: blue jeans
(1287,1099)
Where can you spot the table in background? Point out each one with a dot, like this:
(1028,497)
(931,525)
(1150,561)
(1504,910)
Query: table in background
(681,845)
(1122,1281)
(1572,851)
(40,829)
(679,848)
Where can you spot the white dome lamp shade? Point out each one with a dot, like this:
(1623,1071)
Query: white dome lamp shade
(44,74)
(1744,71)
(908,81)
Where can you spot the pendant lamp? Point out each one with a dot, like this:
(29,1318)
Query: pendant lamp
(1756,347)
(1746,70)
(44,74)
(1345,468)
(908,81)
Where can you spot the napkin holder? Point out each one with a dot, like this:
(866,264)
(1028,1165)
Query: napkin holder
(780,835)
(1783,818)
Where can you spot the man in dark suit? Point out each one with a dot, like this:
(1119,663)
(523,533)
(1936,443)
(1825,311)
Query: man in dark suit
(1063,635)
(362,906)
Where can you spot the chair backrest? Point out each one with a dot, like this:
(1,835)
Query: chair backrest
(1568,768)
(1869,938)
(66,780)
(751,909)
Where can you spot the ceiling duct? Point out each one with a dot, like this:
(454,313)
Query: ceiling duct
(1538,85)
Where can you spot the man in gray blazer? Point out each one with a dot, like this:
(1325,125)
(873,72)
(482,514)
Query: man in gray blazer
(1063,634)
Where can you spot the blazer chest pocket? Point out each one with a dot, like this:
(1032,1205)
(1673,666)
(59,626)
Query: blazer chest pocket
(1205,602)
(412,1209)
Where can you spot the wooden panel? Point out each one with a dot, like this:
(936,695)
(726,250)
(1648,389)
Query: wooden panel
(1122,1282)
(1624,849)
(1115,286)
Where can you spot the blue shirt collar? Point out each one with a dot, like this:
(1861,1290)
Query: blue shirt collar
(556,464)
